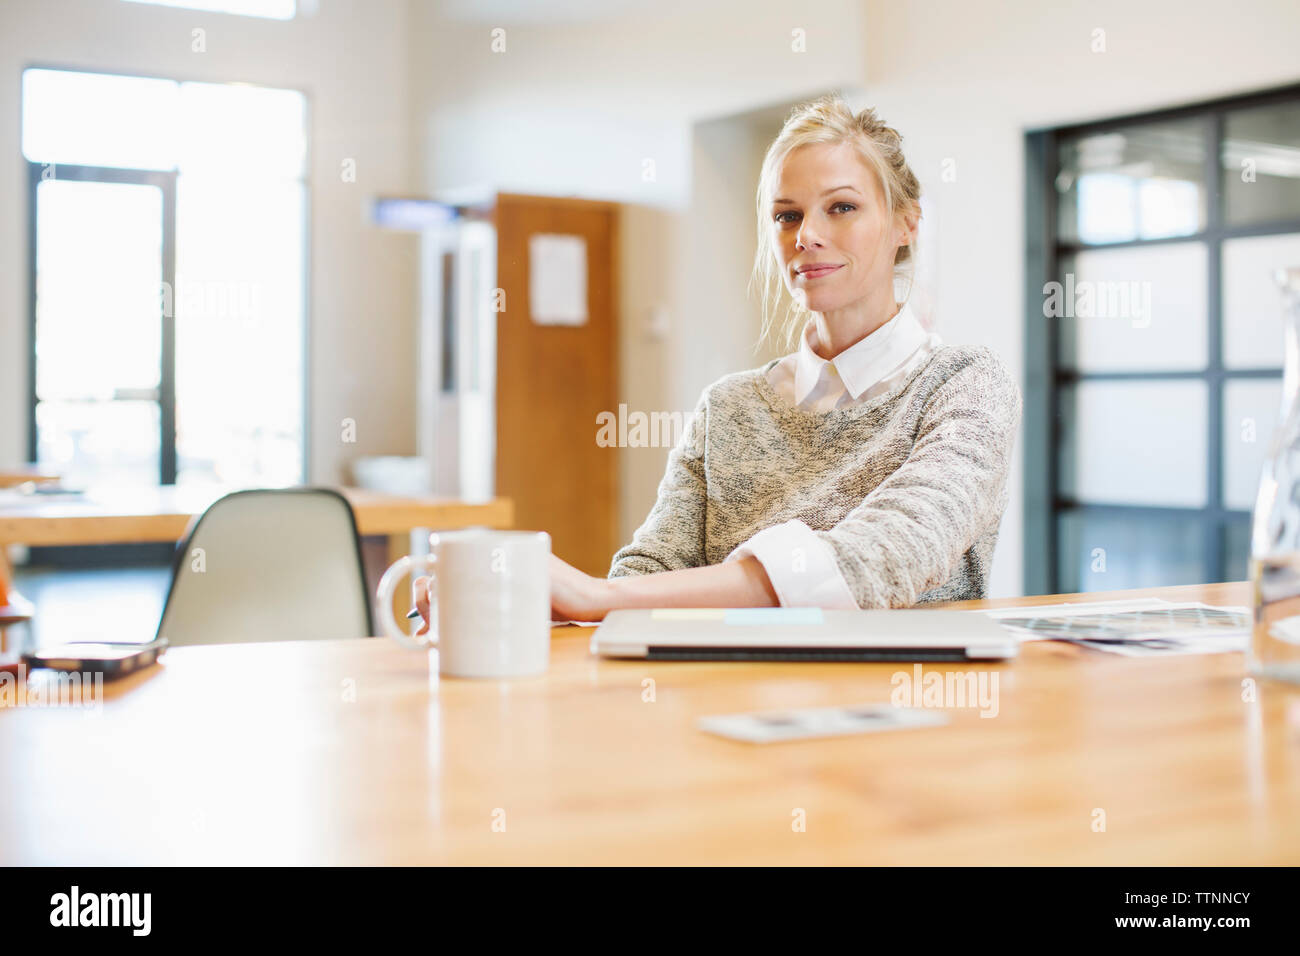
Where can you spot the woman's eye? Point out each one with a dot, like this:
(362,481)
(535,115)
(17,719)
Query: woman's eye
(782,219)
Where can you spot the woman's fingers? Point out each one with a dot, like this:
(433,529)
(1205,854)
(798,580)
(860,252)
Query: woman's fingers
(421,588)
(573,593)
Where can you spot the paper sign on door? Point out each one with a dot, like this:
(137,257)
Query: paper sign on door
(557,279)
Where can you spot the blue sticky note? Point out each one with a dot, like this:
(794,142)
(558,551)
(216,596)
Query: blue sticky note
(773,615)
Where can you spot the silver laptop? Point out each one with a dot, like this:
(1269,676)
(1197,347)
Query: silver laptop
(801,634)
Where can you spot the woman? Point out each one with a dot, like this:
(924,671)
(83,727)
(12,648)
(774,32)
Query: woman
(869,468)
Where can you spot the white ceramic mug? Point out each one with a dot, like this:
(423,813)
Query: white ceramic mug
(489,602)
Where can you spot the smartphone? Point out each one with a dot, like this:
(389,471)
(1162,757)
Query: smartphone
(111,660)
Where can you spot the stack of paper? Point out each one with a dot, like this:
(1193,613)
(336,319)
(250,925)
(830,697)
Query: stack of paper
(1145,627)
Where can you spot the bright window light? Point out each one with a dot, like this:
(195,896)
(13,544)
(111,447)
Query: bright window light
(99,119)
(134,122)
(98,254)
(239,152)
(1107,211)
(268,9)
(239,306)
(1168,207)
(249,131)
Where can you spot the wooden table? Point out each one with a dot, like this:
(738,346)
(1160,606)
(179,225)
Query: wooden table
(349,752)
(164,514)
(26,474)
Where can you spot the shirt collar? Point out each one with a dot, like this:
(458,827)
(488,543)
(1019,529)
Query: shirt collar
(864,363)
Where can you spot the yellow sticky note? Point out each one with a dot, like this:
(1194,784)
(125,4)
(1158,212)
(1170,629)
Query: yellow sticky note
(688,614)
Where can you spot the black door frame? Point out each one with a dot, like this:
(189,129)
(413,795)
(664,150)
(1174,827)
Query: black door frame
(165,181)
(111,555)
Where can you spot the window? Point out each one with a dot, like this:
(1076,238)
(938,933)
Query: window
(168,307)
(270,9)
(1154,339)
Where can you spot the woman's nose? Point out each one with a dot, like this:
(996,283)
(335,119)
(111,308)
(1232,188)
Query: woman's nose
(807,236)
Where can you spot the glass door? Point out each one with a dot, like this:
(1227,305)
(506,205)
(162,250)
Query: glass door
(169,248)
(102,370)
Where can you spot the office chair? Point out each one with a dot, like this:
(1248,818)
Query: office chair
(281,564)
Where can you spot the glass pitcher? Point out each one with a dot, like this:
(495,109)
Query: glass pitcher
(1275,532)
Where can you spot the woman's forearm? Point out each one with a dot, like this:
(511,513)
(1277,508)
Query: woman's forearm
(741,583)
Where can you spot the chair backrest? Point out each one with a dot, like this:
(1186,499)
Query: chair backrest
(276,564)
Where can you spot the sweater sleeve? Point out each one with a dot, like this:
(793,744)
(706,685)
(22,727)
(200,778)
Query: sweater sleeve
(909,534)
(672,536)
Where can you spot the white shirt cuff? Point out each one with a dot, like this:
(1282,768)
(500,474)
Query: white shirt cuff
(800,565)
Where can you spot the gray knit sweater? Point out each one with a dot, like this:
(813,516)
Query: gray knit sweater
(908,488)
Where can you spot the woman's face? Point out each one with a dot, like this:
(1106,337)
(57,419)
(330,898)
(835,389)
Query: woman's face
(828,211)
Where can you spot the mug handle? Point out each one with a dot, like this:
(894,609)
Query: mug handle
(388,584)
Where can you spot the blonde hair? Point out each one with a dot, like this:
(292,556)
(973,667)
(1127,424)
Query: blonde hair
(828,119)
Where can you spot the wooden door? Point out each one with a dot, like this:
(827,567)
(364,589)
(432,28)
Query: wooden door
(553,381)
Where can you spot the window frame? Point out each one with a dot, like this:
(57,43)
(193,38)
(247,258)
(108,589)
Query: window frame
(165,180)
(1045,377)
(186,8)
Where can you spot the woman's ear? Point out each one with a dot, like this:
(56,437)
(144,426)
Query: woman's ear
(907,228)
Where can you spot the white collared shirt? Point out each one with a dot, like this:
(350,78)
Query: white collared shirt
(868,368)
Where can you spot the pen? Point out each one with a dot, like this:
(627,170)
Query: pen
(412,613)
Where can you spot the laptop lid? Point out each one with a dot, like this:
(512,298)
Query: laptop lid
(801,634)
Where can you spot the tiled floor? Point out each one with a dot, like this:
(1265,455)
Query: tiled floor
(104,604)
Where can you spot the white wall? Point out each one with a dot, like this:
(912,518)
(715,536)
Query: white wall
(349,57)
(575,105)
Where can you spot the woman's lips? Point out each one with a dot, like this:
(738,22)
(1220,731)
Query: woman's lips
(818,273)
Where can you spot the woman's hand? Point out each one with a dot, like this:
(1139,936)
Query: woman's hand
(576,596)
(421,586)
